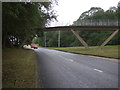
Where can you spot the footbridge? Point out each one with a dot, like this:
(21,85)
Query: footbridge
(97,25)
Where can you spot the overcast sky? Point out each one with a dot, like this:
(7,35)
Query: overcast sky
(70,10)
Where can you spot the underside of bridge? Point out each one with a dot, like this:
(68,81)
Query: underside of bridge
(64,28)
(115,30)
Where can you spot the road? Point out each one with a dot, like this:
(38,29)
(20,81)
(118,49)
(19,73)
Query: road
(57,69)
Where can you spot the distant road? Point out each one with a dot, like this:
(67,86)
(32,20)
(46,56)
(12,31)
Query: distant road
(59,69)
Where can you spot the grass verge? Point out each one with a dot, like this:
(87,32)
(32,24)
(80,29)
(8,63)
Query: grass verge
(19,68)
(107,51)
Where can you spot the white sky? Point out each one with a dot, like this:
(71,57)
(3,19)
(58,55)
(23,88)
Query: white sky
(70,10)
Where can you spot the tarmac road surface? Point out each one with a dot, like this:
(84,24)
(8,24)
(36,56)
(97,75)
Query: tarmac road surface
(57,69)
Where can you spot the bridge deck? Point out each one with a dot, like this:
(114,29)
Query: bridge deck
(79,28)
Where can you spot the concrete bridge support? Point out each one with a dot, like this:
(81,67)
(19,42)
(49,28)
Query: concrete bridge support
(108,39)
(80,39)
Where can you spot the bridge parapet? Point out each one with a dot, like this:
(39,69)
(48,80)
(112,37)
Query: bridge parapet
(98,22)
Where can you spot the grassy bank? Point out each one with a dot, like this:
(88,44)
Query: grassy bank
(19,69)
(107,51)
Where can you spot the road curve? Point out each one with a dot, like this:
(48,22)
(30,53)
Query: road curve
(57,69)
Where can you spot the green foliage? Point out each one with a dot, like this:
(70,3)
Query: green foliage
(20,21)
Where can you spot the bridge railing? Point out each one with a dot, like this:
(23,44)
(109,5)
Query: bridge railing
(96,23)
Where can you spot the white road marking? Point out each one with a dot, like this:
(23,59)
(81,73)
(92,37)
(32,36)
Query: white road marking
(67,58)
(98,70)
(70,60)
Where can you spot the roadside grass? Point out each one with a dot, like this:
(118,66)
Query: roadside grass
(19,69)
(106,51)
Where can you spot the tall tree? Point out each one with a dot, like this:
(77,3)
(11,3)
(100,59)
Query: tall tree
(20,21)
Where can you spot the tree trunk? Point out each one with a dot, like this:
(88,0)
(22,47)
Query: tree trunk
(22,43)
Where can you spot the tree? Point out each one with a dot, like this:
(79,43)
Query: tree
(20,21)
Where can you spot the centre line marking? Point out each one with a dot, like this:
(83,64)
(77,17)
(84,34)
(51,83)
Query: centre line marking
(98,70)
(70,60)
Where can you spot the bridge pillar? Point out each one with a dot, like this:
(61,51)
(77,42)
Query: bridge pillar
(80,39)
(109,38)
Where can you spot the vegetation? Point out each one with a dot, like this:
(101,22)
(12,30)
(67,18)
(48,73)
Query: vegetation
(21,19)
(19,68)
(107,51)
